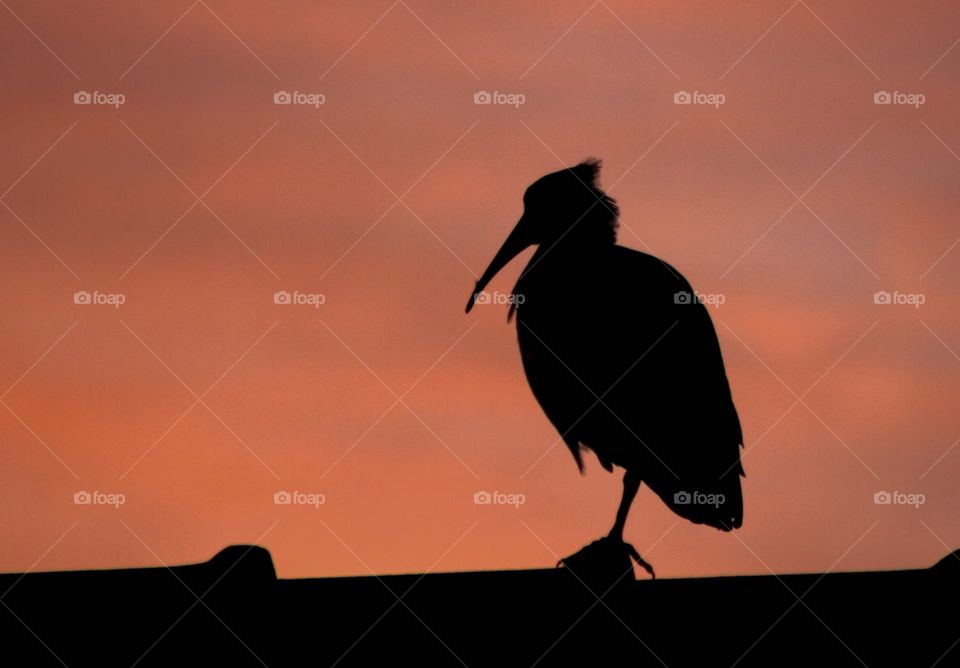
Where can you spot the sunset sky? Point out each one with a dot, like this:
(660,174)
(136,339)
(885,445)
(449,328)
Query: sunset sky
(185,192)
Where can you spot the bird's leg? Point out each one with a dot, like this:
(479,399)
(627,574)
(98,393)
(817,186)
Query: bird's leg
(610,555)
(631,483)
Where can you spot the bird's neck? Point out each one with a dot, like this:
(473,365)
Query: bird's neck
(551,262)
(570,248)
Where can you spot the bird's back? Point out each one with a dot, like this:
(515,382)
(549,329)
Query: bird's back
(625,362)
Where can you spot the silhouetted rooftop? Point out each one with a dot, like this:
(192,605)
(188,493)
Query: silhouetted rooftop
(232,610)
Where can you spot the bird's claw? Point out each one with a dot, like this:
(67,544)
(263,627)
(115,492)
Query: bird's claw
(640,560)
(605,554)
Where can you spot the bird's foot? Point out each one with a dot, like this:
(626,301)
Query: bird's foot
(606,562)
(643,563)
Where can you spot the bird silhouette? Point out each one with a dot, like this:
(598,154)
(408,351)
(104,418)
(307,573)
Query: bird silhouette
(622,356)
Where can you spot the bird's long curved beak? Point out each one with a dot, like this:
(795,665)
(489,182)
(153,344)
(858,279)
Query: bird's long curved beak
(516,242)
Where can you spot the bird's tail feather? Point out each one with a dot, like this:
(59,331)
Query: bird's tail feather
(718,503)
(574,446)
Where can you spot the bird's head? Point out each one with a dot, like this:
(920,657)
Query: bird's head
(566,207)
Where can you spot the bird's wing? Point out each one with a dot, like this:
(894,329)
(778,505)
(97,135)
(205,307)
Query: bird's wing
(676,397)
(621,362)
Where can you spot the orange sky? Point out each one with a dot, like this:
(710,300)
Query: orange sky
(796,199)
